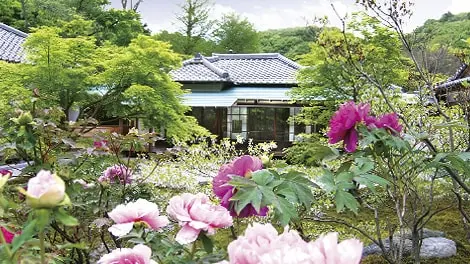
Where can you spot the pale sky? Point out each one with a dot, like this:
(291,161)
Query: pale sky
(272,14)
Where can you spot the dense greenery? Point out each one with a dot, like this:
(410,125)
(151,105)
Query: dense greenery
(117,26)
(291,42)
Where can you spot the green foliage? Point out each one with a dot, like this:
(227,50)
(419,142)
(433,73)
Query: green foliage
(187,165)
(177,41)
(451,30)
(281,190)
(13,94)
(290,42)
(309,152)
(236,34)
(336,62)
(71,72)
(117,26)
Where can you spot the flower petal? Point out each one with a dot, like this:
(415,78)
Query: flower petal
(187,234)
(121,229)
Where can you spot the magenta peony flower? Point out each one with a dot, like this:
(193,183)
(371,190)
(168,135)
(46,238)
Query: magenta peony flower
(7,235)
(140,254)
(390,123)
(195,213)
(140,211)
(242,166)
(118,172)
(262,244)
(101,145)
(4,176)
(343,124)
(45,190)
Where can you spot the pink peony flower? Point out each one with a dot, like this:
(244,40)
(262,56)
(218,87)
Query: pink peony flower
(140,254)
(256,242)
(7,235)
(262,244)
(117,172)
(140,211)
(45,190)
(348,251)
(343,124)
(83,183)
(242,166)
(195,213)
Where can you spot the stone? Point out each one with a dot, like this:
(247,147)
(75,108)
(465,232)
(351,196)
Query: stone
(434,245)
(438,247)
(426,233)
(375,249)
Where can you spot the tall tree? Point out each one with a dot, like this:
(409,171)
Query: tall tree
(373,49)
(178,43)
(104,81)
(236,34)
(131,5)
(195,23)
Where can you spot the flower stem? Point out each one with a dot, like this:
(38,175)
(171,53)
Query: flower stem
(42,247)
(5,244)
(193,250)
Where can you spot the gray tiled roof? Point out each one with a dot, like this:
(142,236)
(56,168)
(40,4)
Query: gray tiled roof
(10,44)
(455,80)
(262,68)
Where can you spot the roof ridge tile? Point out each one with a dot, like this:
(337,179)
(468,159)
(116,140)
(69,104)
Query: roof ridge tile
(13,30)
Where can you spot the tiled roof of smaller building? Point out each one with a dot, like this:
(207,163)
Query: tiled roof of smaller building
(455,80)
(260,68)
(11,41)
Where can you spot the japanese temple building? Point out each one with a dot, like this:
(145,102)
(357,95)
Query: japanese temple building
(242,95)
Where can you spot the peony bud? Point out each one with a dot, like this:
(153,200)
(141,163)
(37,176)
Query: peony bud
(46,190)
(25,118)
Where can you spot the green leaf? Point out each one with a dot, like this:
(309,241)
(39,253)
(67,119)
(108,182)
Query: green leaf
(243,197)
(328,181)
(296,188)
(284,211)
(268,195)
(364,165)
(321,152)
(66,219)
(206,242)
(345,199)
(344,177)
(137,240)
(240,182)
(375,179)
(26,234)
(262,177)
(459,164)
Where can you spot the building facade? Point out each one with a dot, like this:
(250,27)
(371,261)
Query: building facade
(242,95)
